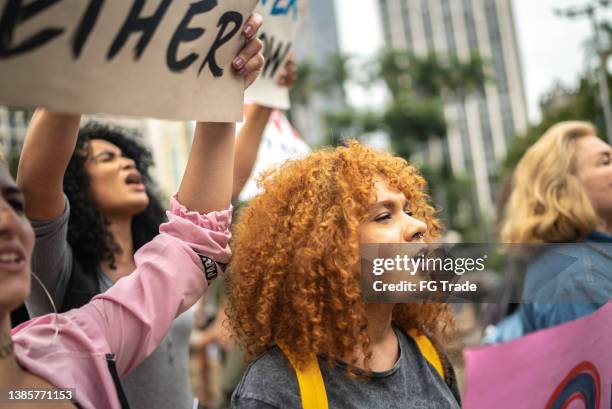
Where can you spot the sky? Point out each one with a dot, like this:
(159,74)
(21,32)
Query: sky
(551,48)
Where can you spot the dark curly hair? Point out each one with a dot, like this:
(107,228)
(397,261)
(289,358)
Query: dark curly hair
(88,233)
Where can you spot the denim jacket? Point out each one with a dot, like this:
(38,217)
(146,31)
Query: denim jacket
(567,282)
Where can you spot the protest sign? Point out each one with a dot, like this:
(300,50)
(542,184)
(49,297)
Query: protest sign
(160,58)
(280,142)
(568,366)
(282,19)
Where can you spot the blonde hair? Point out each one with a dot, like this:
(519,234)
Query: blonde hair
(548,202)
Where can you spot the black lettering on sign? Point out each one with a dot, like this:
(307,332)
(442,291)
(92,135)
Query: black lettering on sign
(87,24)
(185,34)
(274,54)
(134,23)
(229,17)
(15,13)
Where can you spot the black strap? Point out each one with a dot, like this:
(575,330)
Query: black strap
(110,360)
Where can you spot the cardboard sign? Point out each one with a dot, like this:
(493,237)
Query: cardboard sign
(282,19)
(569,366)
(159,58)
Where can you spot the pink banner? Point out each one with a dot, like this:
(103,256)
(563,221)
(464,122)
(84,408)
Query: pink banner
(565,367)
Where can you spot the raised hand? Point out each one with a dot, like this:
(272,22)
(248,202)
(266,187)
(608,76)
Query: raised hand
(288,75)
(249,62)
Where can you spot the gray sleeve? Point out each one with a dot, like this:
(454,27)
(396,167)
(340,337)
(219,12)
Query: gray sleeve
(51,262)
(250,403)
(268,382)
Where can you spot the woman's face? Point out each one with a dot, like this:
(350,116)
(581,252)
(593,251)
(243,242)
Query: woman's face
(594,171)
(390,220)
(16,244)
(116,186)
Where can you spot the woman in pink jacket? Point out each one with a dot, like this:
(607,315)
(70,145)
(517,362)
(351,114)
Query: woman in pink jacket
(85,351)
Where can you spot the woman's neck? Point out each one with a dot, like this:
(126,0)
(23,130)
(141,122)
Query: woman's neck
(121,230)
(11,373)
(383,340)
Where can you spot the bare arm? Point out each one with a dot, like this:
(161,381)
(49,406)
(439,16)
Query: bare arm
(207,182)
(251,134)
(247,145)
(49,143)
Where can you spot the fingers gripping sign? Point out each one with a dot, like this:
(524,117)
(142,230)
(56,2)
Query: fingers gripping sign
(250,60)
(157,52)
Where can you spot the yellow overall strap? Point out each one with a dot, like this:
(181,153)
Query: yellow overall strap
(428,351)
(310,380)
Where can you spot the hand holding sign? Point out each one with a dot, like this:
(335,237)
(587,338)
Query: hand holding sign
(250,61)
(157,58)
(288,74)
(282,19)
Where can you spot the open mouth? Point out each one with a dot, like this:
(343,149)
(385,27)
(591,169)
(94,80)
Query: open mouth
(12,260)
(134,180)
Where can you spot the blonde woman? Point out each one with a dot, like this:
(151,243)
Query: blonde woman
(562,193)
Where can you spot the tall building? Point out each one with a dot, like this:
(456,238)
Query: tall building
(316,41)
(479,130)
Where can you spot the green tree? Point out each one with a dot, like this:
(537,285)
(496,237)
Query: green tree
(581,103)
(305,84)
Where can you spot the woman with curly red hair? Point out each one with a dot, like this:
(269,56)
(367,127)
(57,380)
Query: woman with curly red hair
(295,298)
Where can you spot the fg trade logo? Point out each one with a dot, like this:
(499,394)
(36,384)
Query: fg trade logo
(581,388)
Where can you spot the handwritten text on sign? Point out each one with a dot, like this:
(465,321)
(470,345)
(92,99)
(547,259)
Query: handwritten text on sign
(282,19)
(162,58)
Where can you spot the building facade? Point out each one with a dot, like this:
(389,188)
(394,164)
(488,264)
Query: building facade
(317,40)
(481,128)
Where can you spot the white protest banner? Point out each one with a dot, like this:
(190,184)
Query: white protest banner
(280,143)
(160,58)
(564,367)
(282,19)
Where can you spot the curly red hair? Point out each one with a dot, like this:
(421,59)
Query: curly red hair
(295,271)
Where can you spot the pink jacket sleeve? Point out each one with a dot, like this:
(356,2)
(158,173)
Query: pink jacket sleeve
(136,313)
(133,316)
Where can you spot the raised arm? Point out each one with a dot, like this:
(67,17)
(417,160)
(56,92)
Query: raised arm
(50,141)
(48,146)
(132,317)
(207,183)
(247,145)
(251,133)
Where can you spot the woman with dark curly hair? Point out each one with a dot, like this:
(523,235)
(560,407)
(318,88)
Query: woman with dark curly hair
(295,298)
(92,205)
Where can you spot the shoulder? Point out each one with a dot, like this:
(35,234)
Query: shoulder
(46,227)
(568,273)
(269,379)
(413,354)
(68,351)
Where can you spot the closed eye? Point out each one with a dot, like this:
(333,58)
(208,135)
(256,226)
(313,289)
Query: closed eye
(383,216)
(106,157)
(17,205)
